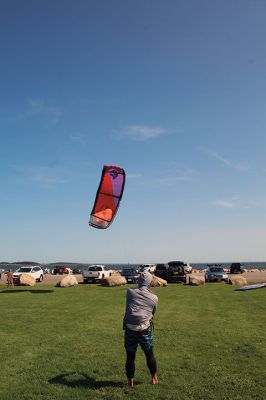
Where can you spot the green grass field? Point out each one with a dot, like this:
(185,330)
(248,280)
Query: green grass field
(68,344)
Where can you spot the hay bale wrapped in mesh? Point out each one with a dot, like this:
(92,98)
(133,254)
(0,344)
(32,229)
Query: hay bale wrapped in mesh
(27,280)
(237,280)
(196,281)
(68,281)
(114,280)
(156,281)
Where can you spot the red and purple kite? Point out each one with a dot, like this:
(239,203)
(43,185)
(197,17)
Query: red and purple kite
(108,197)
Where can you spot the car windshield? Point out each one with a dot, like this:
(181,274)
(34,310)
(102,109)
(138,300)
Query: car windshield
(127,272)
(160,266)
(176,264)
(24,269)
(95,268)
(215,269)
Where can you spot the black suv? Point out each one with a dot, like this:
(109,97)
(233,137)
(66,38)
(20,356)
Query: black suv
(176,272)
(236,268)
(162,271)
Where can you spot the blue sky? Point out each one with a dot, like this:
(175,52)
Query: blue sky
(173,91)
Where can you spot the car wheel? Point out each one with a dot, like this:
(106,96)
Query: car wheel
(41,278)
(103,276)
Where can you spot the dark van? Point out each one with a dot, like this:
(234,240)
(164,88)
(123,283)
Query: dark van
(236,268)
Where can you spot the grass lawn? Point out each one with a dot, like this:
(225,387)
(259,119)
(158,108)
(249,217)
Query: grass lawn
(68,344)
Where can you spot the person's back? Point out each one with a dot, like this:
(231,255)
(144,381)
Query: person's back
(141,305)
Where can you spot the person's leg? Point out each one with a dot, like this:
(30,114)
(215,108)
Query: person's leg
(146,342)
(131,345)
(151,363)
(130,367)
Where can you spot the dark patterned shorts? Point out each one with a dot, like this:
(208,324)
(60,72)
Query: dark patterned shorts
(134,338)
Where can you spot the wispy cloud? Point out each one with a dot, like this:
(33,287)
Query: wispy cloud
(143,132)
(225,161)
(43,175)
(224,204)
(176,171)
(36,106)
(237,203)
(79,137)
(170,180)
(134,176)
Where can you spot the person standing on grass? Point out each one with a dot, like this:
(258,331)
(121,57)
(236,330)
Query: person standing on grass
(141,305)
(9,278)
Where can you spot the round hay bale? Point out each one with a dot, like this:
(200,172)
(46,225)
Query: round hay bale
(237,280)
(196,281)
(27,280)
(114,280)
(68,281)
(156,281)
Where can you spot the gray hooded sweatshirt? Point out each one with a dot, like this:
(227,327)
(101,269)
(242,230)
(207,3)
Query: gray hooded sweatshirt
(141,304)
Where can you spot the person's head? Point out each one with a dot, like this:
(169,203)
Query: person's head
(145,279)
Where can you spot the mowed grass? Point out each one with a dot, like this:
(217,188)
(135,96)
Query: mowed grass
(68,344)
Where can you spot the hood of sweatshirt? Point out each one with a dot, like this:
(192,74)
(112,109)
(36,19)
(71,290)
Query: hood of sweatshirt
(145,279)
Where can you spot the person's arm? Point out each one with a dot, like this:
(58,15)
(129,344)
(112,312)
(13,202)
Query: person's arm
(155,307)
(124,319)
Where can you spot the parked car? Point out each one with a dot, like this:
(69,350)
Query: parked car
(62,270)
(130,274)
(162,271)
(176,272)
(96,273)
(236,268)
(147,268)
(188,268)
(77,271)
(216,274)
(34,271)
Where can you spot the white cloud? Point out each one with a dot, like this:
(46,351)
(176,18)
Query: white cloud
(78,137)
(169,181)
(224,204)
(228,163)
(43,175)
(39,107)
(36,105)
(133,176)
(175,171)
(144,132)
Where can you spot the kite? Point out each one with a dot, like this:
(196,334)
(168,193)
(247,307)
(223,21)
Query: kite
(108,197)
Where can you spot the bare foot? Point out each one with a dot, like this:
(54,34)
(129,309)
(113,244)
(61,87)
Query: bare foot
(130,382)
(154,379)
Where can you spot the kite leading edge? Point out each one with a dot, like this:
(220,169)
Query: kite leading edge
(108,196)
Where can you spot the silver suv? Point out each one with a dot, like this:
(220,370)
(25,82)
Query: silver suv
(216,274)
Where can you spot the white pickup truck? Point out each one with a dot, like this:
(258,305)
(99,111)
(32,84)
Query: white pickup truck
(96,273)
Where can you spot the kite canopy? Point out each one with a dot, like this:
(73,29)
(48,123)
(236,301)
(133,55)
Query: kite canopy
(108,196)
